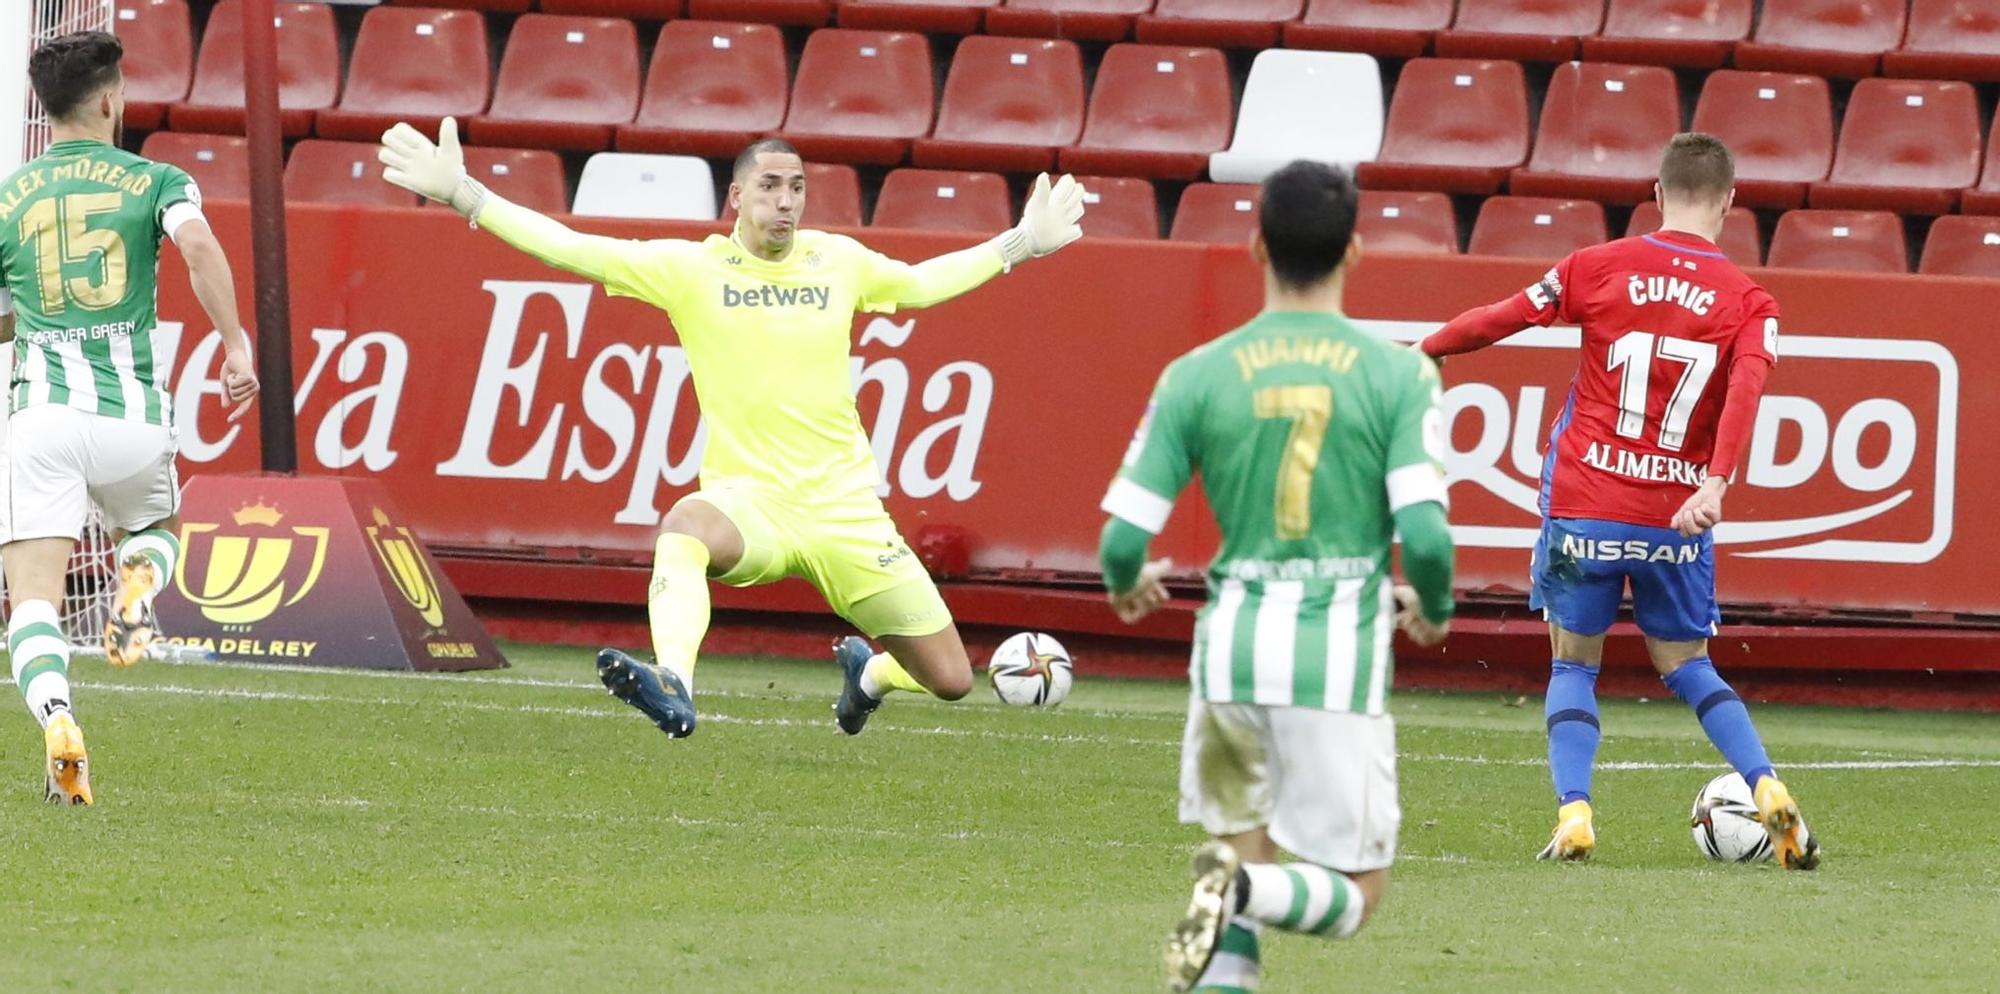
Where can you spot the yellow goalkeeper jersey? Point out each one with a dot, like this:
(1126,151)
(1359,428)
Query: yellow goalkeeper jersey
(767,342)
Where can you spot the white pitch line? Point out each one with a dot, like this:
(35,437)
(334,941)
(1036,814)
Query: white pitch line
(940,730)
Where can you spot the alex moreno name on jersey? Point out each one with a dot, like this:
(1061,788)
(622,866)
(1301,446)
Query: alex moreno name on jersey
(1652,468)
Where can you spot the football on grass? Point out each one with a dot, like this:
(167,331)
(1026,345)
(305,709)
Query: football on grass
(1030,669)
(1725,822)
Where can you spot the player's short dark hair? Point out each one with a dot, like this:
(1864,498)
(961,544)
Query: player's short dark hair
(1697,166)
(1307,220)
(69,70)
(747,158)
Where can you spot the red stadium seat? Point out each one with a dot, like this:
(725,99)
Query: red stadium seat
(1082,20)
(943,200)
(1399,28)
(1536,227)
(530,177)
(1411,223)
(159,58)
(1840,38)
(411,65)
(1856,241)
(1985,198)
(1905,145)
(1528,30)
(1009,104)
(712,89)
(497,6)
(861,96)
(1455,125)
(1738,240)
(1224,213)
(308,70)
(1603,129)
(1779,127)
(1119,207)
(1155,111)
(796,13)
(1949,39)
(1222,23)
(331,172)
(565,83)
(928,16)
(638,10)
(1698,34)
(833,197)
(1962,246)
(220,164)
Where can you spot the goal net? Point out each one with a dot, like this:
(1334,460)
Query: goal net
(93,576)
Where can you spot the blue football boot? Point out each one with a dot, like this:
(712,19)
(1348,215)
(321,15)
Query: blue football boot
(854,706)
(655,690)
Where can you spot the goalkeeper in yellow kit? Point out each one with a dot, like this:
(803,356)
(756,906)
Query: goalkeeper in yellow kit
(788,478)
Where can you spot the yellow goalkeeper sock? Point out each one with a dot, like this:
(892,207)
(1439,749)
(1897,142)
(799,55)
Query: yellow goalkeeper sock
(677,603)
(884,674)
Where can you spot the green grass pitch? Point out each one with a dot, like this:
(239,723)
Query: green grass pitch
(298,831)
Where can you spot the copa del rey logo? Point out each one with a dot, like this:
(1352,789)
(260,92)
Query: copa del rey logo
(250,571)
(627,422)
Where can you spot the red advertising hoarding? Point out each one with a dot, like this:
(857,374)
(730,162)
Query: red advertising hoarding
(510,407)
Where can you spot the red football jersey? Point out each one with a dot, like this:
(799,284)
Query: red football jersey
(1664,317)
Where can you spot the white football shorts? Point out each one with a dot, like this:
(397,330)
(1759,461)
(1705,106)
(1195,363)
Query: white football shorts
(1324,782)
(57,460)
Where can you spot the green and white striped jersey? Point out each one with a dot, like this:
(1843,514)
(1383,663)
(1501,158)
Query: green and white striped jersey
(1309,434)
(80,231)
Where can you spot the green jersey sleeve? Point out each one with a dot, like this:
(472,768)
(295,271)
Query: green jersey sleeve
(1160,459)
(178,200)
(1416,440)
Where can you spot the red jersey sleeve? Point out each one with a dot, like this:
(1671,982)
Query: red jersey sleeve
(1547,300)
(1758,334)
(1542,303)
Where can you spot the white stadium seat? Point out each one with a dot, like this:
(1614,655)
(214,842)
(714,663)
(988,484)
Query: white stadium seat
(1325,106)
(659,187)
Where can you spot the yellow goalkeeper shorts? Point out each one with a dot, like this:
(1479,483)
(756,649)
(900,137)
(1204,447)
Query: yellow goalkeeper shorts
(845,545)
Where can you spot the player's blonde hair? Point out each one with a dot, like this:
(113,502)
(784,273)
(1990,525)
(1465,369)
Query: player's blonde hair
(1697,166)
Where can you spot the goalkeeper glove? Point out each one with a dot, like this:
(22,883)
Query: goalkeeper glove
(433,171)
(1048,223)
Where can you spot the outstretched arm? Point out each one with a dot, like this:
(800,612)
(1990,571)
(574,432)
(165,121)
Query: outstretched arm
(437,171)
(1049,222)
(1542,303)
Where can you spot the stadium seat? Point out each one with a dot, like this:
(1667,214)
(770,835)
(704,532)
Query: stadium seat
(794,13)
(308,70)
(1394,28)
(1856,241)
(1536,227)
(1224,213)
(414,65)
(943,200)
(496,6)
(861,96)
(1325,106)
(219,164)
(1528,30)
(1253,24)
(1985,198)
(159,58)
(638,10)
(1155,111)
(1119,207)
(1839,38)
(1962,246)
(660,187)
(1455,125)
(1779,128)
(1738,240)
(833,197)
(565,83)
(1081,20)
(1905,145)
(712,89)
(1949,39)
(1603,129)
(531,177)
(1696,34)
(1411,223)
(1009,104)
(331,172)
(962,17)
